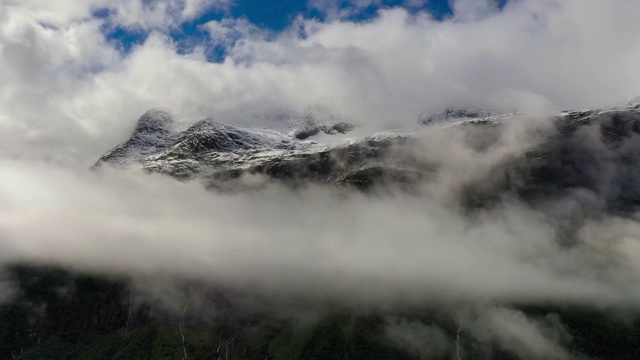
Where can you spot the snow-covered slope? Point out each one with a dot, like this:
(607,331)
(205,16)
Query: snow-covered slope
(153,133)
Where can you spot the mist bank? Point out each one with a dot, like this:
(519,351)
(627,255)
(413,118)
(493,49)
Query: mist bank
(81,315)
(473,230)
(519,240)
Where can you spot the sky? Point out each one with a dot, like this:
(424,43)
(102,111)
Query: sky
(273,16)
(77,76)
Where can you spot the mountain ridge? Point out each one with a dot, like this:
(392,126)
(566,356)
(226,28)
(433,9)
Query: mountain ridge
(219,153)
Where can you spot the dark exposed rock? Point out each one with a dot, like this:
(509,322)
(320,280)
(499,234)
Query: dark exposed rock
(452,112)
(338,128)
(316,120)
(306,131)
(367,176)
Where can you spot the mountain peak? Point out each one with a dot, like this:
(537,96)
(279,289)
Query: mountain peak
(154,132)
(430,116)
(153,122)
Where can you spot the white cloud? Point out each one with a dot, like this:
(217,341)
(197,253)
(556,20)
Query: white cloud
(226,31)
(161,14)
(69,94)
(193,8)
(470,10)
(335,9)
(53,13)
(154,14)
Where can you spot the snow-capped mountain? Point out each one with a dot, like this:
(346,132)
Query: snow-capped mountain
(569,160)
(218,152)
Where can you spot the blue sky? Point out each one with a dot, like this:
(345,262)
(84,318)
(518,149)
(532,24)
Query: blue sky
(273,16)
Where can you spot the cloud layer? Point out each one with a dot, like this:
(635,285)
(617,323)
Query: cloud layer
(324,244)
(69,94)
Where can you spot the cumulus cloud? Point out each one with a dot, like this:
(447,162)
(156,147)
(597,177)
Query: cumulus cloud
(226,32)
(160,14)
(69,95)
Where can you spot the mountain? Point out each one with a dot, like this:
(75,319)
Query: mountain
(572,157)
(219,153)
(590,156)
